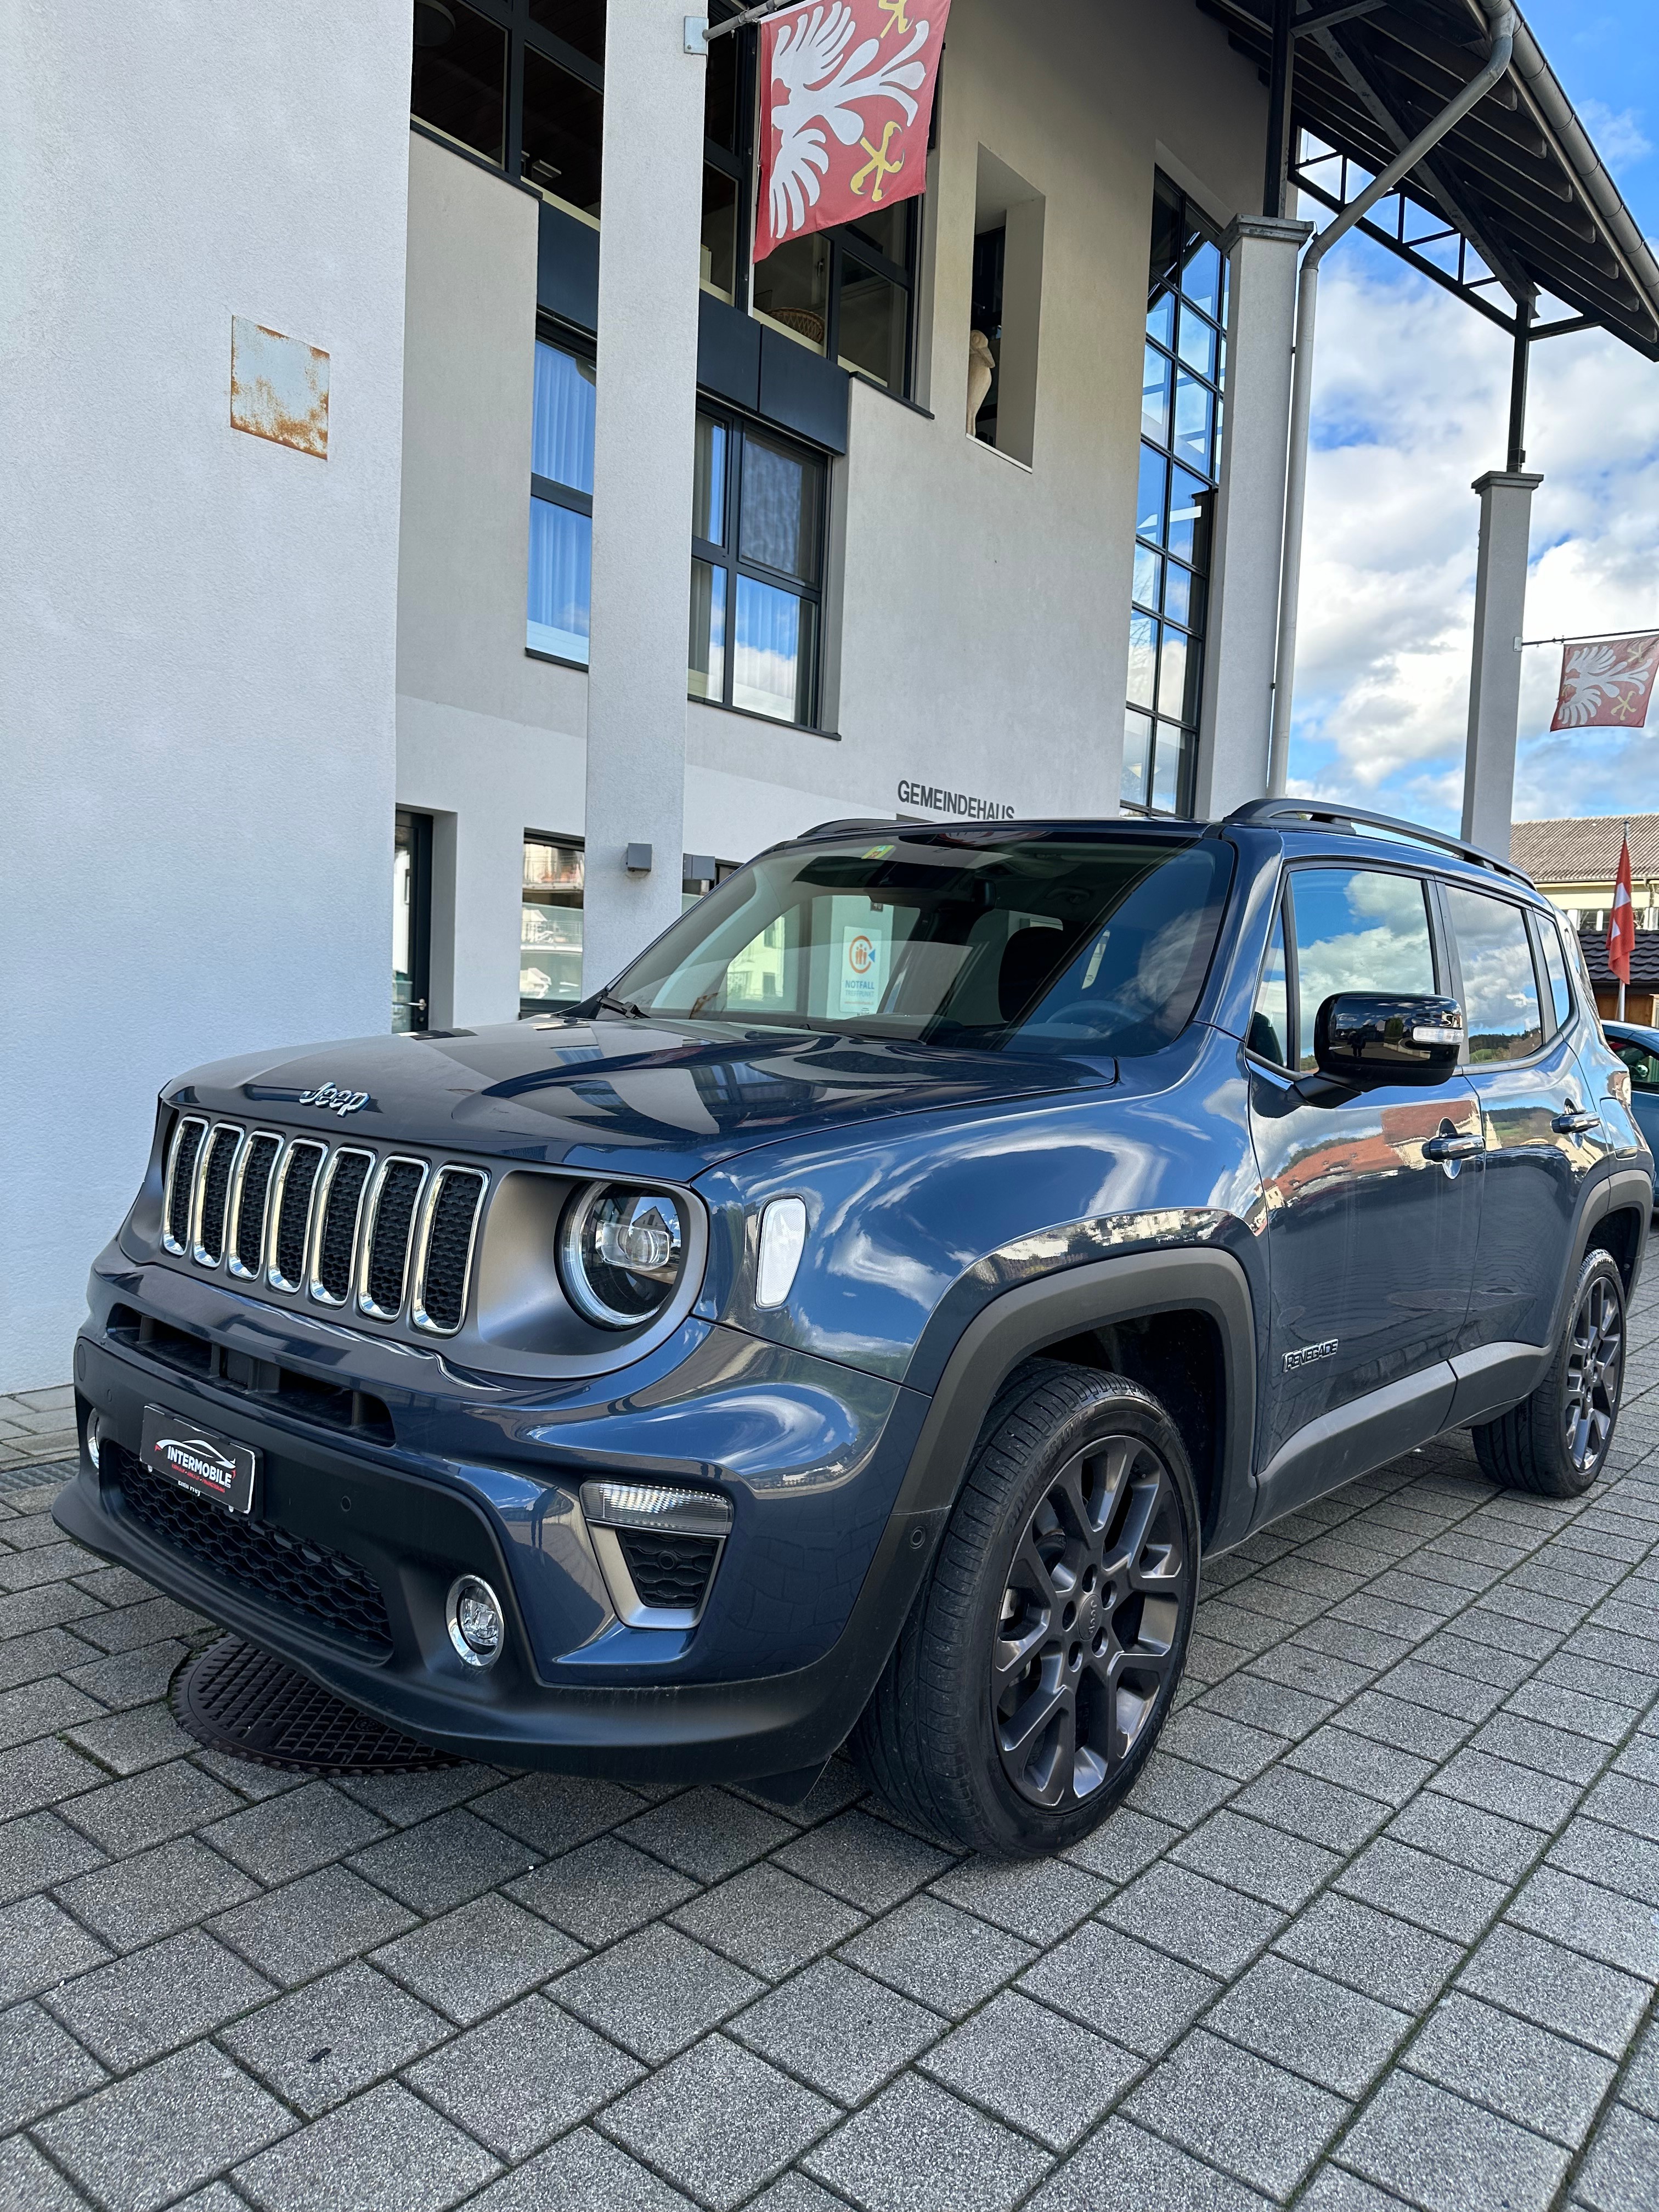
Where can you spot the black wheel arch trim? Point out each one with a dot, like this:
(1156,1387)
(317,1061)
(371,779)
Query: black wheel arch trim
(1024,1321)
(1621,1190)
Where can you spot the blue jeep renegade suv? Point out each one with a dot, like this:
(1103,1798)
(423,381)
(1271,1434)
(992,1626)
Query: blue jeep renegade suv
(859,1320)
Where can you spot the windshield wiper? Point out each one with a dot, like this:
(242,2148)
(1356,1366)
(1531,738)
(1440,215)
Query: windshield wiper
(604,1002)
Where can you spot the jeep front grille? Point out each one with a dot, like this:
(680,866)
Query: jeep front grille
(247,1244)
(218,1158)
(386,1248)
(445,1260)
(340,1205)
(391,1236)
(179,1199)
(297,1182)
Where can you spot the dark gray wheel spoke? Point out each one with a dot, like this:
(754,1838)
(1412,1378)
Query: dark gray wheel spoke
(1594,1376)
(1084,1656)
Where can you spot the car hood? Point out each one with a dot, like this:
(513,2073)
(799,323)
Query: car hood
(599,1095)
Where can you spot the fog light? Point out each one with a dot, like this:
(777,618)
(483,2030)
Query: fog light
(95,1425)
(477,1628)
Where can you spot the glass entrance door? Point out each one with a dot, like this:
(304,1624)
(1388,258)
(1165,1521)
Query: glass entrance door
(411,922)
(550,925)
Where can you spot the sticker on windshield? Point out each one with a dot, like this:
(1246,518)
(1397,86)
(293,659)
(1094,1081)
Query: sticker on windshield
(863,963)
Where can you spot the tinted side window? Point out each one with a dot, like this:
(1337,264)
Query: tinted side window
(1500,990)
(1270,1024)
(1644,1065)
(1555,970)
(1356,929)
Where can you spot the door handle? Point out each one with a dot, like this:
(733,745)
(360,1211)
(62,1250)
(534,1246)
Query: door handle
(1454,1147)
(1572,1123)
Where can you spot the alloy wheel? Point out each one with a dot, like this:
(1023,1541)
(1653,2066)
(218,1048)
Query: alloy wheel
(1090,1619)
(1596,1351)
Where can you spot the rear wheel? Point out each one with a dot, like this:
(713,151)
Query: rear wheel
(1041,1658)
(1555,1441)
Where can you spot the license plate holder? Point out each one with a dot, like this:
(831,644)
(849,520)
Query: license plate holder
(214,1466)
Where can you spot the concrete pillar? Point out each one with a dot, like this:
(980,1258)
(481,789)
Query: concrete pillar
(650,223)
(1500,602)
(1262,253)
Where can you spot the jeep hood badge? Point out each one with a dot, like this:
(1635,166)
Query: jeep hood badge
(333,1100)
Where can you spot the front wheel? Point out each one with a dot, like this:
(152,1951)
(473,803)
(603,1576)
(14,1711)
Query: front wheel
(1041,1655)
(1555,1441)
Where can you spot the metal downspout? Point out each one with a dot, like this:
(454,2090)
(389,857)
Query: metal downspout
(1504,23)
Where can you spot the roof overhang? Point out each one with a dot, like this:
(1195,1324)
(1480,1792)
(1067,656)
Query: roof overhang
(1513,204)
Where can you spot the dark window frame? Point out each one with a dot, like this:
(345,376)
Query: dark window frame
(1442,944)
(579,346)
(514,17)
(1549,1038)
(739,164)
(738,427)
(1189,223)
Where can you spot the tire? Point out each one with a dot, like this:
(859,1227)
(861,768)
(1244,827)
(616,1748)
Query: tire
(1078,1525)
(1555,1441)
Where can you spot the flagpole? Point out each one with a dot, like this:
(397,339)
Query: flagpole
(1623,852)
(1585,637)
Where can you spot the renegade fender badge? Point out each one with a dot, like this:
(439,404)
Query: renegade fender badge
(333,1100)
(1309,1352)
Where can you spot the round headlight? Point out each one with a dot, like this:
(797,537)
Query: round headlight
(622,1252)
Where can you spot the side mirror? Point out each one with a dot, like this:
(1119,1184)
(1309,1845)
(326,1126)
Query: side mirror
(1361,1036)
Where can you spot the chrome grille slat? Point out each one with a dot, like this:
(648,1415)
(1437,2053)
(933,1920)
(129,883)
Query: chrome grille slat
(336,1214)
(394,1236)
(248,1209)
(390,1218)
(179,1196)
(291,1205)
(219,1157)
(444,1248)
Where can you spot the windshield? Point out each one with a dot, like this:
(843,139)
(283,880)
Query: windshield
(1034,941)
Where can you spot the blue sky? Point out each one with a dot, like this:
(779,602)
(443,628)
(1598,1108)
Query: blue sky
(1410,399)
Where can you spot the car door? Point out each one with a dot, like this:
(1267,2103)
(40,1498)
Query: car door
(1371,1198)
(1539,1122)
(1638,1051)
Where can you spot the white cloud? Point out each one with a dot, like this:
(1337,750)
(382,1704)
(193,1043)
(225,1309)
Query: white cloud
(1617,136)
(1411,391)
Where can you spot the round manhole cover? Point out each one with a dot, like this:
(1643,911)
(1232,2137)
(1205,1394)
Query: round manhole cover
(233,1698)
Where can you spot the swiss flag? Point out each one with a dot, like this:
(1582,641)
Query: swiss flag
(847,97)
(1621,923)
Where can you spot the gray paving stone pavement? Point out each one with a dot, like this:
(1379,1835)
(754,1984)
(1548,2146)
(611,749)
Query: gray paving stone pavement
(1378,1926)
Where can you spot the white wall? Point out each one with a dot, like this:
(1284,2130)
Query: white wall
(196,719)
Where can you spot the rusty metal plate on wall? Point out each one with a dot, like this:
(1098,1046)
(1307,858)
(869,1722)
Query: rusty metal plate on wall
(278,387)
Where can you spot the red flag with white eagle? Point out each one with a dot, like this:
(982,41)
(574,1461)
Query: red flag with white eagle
(1621,922)
(847,91)
(1606,682)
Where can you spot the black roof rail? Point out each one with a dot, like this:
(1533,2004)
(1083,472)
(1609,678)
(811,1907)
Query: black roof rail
(1263,811)
(852,822)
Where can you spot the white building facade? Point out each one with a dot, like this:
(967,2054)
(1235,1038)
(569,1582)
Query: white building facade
(573,559)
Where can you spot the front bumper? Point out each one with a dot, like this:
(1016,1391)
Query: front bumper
(574,1690)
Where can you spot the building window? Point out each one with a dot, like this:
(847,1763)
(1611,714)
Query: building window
(757,558)
(847,293)
(550,924)
(1004,314)
(520,84)
(702,872)
(560,504)
(1180,468)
